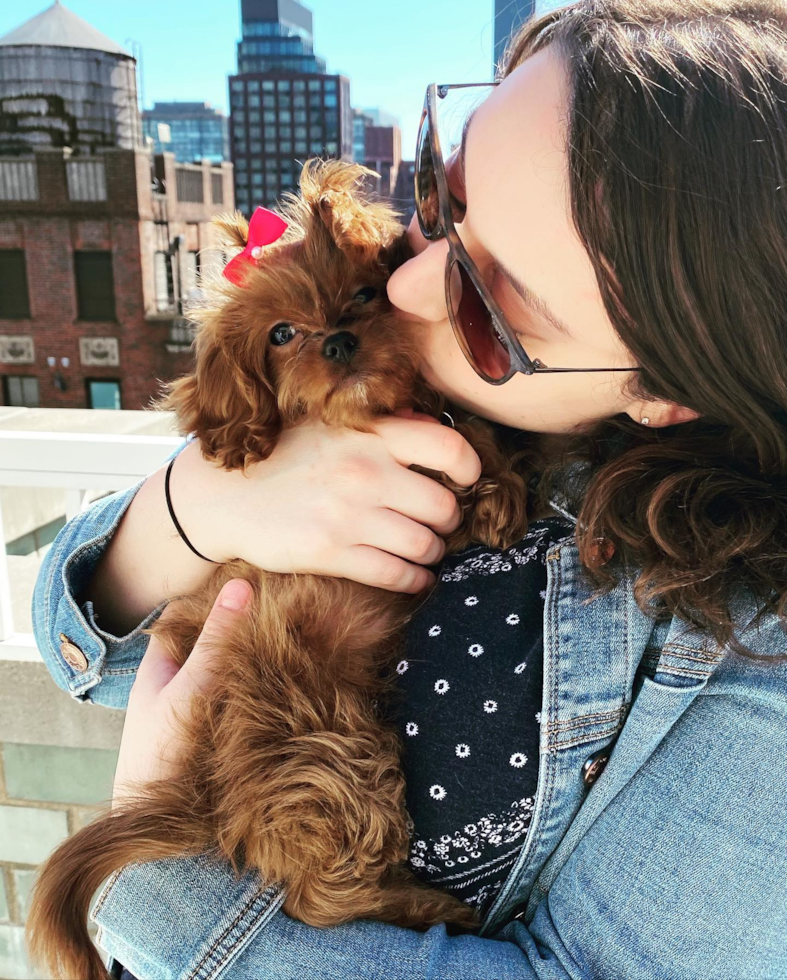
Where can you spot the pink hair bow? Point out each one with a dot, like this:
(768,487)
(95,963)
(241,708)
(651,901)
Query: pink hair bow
(265,228)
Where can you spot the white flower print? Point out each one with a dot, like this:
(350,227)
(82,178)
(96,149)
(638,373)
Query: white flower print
(490,707)
(543,594)
(475,649)
(520,668)
(518,759)
(417,862)
(476,840)
(442,686)
(463,750)
(402,666)
(437,792)
(471,600)
(435,630)
(411,728)
(491,562)
(512,620)
(538,717)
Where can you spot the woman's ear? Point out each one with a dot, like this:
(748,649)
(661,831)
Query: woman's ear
(234,414)
(659,415)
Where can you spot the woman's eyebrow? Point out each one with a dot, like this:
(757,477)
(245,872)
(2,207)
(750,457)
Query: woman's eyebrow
(530,298)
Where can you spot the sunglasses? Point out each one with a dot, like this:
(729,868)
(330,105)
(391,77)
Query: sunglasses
(487,340)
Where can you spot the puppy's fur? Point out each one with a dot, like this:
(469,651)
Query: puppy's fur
(290,769)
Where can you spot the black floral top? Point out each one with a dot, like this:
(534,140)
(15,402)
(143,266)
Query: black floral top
(469,712)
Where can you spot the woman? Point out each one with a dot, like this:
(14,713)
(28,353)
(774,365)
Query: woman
(630,170)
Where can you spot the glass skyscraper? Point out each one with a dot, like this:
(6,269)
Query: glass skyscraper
(196,130)
(284,108)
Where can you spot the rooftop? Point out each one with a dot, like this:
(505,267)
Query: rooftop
(58,27)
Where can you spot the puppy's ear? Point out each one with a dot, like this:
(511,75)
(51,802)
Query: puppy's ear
(232,411)
(336,193)
(233,229)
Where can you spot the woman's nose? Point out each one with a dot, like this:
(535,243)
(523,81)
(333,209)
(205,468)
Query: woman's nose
(418,286)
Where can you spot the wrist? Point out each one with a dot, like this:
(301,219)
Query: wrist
(199,494)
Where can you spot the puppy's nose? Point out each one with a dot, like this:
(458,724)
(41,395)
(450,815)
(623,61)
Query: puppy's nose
(340,346)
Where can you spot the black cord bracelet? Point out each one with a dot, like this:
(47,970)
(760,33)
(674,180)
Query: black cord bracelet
(175,521)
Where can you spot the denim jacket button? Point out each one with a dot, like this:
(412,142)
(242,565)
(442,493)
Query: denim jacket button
(594,766)
(72,655)
(601,551)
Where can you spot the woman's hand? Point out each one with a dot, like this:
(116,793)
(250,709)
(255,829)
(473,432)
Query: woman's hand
(333,501)
(151,747)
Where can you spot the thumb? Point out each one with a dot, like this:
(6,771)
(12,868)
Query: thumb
(197,673)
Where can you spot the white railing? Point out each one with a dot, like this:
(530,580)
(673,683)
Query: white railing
(78,462)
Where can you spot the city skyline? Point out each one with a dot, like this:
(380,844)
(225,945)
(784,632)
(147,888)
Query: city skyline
(388,61)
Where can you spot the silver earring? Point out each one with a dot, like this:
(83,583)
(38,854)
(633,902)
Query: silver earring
(645,421)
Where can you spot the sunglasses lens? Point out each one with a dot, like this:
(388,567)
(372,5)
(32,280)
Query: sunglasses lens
(475,326)
(426,198)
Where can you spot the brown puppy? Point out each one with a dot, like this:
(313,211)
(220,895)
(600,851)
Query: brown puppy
(290,769)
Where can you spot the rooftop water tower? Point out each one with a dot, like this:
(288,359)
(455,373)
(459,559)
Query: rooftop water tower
(64,84)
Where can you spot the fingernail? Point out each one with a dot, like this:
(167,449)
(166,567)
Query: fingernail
(235,594)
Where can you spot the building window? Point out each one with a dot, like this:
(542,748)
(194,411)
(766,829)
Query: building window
(285,146)
(95,285)
(268,86)
(329,100)
(284,86)
(20,392)
(165,286)
(300,147)
(191,267)
(330,84)
(257,179)
(237,86)
(314,85)
(103,394)
(14,296)
(299,85)
(254,101)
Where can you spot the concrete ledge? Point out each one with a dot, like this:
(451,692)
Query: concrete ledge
(34,711)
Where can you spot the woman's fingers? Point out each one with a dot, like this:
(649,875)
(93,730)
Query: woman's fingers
(197,673)
(371,566)
(392,532)
(158,670)
(440,448)
(424,500)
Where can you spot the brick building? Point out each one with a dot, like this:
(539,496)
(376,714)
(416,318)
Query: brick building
(100,242)
(98,256)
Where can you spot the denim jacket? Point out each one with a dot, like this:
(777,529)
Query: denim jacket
(657,842)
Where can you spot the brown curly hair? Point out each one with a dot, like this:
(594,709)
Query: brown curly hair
(677,147)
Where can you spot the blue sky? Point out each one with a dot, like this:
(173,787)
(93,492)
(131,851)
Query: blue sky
(389,50)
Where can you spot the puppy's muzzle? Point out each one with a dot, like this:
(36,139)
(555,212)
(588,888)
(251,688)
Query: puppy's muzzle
(340,347)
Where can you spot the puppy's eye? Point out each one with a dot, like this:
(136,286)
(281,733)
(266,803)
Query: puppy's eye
(365,295)
(282,334)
